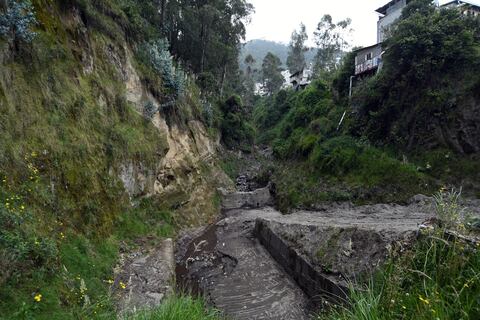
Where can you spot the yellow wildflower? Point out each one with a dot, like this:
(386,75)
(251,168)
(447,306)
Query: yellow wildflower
(109,281)
(123,285)
(38,297)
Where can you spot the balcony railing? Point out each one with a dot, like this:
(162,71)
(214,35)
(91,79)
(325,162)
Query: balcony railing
(368,65)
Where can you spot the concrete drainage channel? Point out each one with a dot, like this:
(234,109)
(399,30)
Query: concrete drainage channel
(256,263)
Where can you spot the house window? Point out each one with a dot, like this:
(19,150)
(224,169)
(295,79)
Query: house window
(368,56)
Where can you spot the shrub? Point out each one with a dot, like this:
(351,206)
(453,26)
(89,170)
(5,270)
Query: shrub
(207,113)
(20,248)
(236,131)
(157,55)
(149,110)
(448,207)
(17,21)
(336,156)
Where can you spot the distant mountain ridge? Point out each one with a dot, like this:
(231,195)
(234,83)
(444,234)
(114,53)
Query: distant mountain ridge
(259,48)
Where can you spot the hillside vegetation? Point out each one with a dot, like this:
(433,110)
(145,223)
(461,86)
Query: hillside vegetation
(103,140)
(409,129)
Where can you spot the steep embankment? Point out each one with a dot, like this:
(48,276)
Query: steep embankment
(77,149)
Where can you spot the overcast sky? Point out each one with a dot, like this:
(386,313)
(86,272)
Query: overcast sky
(276,19)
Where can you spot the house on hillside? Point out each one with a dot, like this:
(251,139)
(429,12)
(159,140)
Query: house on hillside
(389,14)
(300,79)
(286,79)
(368,60)
(467,7)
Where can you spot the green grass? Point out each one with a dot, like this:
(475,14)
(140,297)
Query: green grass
(81,261)
(435,280)
(180,308)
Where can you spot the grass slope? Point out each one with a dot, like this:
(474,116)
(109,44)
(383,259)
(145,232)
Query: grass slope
(64,132)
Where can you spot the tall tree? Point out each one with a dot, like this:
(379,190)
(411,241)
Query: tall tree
(272,73)
(206,35)
(331,39)
(249,62)
(297,49)
(249,80)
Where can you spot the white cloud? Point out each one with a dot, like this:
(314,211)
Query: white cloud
(276,19)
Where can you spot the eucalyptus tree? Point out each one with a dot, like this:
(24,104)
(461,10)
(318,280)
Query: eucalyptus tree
(297,49)
(331,40)
(272,73)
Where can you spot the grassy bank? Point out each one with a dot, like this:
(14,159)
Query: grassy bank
(67,129)
(74,280)
(180,308)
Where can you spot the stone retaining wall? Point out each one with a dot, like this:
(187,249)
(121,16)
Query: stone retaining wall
(255,199)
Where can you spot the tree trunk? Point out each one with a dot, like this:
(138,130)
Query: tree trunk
(224,74)
(202,42)
(163,6)
(3,5)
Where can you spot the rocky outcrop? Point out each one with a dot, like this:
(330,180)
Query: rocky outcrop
(460,131)
(187,173)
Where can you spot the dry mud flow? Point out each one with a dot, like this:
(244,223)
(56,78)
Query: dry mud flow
(256,263)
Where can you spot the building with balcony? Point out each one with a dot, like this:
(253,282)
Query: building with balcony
(368,60)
